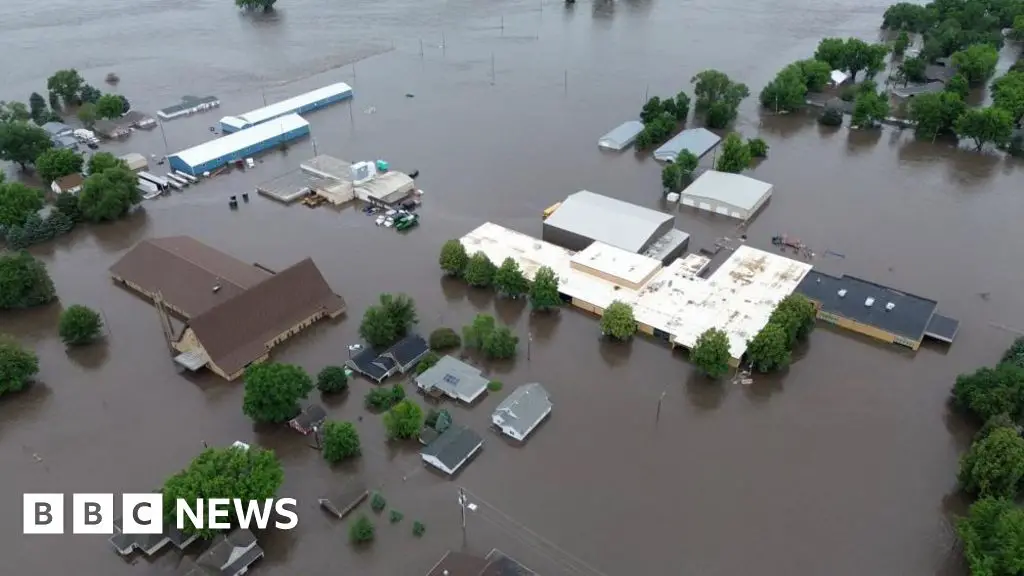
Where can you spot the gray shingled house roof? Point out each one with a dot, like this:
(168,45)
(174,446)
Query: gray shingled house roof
(454,378)
(523,409)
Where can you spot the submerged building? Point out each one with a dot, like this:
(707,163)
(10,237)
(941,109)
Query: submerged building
(622,136)
(585,217)
(698,141)
(300,104)
(239,145)
(728,194)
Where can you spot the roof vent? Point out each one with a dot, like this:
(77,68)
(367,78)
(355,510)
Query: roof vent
(890,306)
(869,301)
(842,293)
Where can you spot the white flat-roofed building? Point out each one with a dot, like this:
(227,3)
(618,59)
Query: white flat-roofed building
(674,303)
(728,194)
(238,145)
(615,265)
(300,104)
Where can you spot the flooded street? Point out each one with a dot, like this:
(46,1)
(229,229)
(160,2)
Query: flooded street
(844,465)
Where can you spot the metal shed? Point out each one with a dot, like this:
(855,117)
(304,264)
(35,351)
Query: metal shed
(585,217)
(622,136)
(699,141)
(728,194)
(300,104)
(216,153)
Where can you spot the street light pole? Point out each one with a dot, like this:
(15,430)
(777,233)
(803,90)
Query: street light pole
(529,344)
(657,415)
(462,504)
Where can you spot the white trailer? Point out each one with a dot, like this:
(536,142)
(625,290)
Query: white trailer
(147,187)
(172,177)
(175,185)
(160,182)
(186,176)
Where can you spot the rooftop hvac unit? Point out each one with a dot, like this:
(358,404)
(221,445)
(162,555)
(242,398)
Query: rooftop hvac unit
(890,306)
(869,301)
(842,293)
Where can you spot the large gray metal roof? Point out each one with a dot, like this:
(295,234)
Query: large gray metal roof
(699,141)
(608,220)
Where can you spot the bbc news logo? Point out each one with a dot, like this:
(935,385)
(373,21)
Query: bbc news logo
(144,513)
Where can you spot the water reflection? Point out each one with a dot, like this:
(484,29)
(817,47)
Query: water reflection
(90,357)
(603,9)
(123,234)
(453,289)
(543,324)
(703,392)
(24,405)
(860,141)
(615,353)
(785,125)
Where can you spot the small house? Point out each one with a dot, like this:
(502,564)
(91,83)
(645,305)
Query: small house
(110,129)
(148,544)
(309,419)
(496,563)
(135,161)
(399,358)
(228,555)
(522,411)
(70,184)
(838,78)
(452,449)
(55,129)
(66,141)
(452,378)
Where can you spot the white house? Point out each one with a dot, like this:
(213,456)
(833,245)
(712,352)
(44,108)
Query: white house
(452,449)
(522,411)
(70,184)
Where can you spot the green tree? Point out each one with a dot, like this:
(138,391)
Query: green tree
(24,282)
(235,472)
(994,466)
(787,92)
(103,161)
(109,195)
(993,538)
(79,325)
(984,125)
(444,339)
(769,349)
(671,177)
(67,84)
(389,321)
(17,201)
(453,258)
(1008,94)
(418,528)
(273,391)
(651,110)
(509,280)
(37,108)
(869,109)
(378,503)
(711,353)
(976,63)
(735,155)
(479,271)
(758,148)
(989,392)
(427,362)
(59,222)
(718,97)
(687,162)
(1017,31)
(1015,353)
(859,55)
(87,114)
(816,73)
(958,85)
(67,204)
(340,441)
(797,315)
(907,16)
(935,114)
(17,366)
(361,531)
(617,322)
(54,164)
(475,334)
(89,94)
(912,70)
(682,106)
(332,380)
(14,112)
(109,106)
(544,293)
(833,52)
(22,142)
(404,420)
(500,344)
(899,46)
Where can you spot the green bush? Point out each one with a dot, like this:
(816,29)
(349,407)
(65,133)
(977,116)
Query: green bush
(427,362)
(418,528)
(332,379)
(444,338)
(377,502)
(494,385)
(383,398)
(361,531)
(395,516)
(79,325)
(341,441)
(758,147)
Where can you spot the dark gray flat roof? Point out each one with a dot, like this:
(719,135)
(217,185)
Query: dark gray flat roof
(909,316)
(942,328)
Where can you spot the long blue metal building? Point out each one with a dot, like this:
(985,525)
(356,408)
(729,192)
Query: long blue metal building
(216,153)
(295,105)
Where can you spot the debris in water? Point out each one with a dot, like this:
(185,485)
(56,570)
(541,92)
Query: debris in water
(410,95)
(985,295)
(112,78)
(370,110)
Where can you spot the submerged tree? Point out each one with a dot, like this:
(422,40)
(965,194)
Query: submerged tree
(618,322)
(711,353)
(17,365)
(509,280)
(273,391)
(479,271)
(79,325)
(544,290)
(265,5)
(994,466)
(453,258)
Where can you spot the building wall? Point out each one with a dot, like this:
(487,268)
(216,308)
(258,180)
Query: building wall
(151,296)
(611,277)
(178,164)
(715,207)
(866,330)
(564,238)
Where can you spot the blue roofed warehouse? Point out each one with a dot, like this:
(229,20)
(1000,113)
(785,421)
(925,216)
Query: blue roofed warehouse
(238,145)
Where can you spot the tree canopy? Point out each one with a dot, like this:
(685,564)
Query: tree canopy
(935,114)
(389,321)
(444,338)
(618,322)
(109,195)
(912,70)
(14,112)
(55,163)
(17,202)
(544,290)
(403,420)
(109,106)
(988,392)
(1008,94)
(17,365)
(907,17)
(235,472)
(735,155)
(332,380)
(479,271)
(496,342)
(22,143)
(769,350)
(265,5)
(340,441)
(797,316)
(984,125)
(66,84)
(976,63)
(994,466)
(787,92)
(509,280)
(718,97)
(852,55)
(453,258)
(273,391)
(24,282)
(79,325)
(102,161)
(869,108)
(37,108)
(993,537)
(89,94)
(711,353)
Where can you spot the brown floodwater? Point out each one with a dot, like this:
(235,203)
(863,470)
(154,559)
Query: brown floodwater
(844,465)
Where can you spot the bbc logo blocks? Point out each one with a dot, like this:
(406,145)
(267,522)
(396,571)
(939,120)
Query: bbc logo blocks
(93,513)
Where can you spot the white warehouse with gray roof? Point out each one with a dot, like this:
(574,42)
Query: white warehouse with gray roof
(585,217)
(732,195)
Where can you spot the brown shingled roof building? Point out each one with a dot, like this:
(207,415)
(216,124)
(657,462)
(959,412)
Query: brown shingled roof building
(235,312)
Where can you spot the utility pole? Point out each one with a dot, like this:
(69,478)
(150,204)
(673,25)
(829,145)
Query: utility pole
(565,80)
(421,47)
(529,344)
(492,68)
(167,149)
(657,415)
(462,504)
(263,92)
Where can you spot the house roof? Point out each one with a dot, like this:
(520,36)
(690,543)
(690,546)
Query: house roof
(734,189)
(235,332)
(622,135)
(365,362)
(909,316)
(609,220)
(70,181)
(699,141)
(408,349)
(454,446)
(313,415)
(501,565)
(228,555)
(524,407)
(454,377)
(458,564)
(912,90)
(185,271)
(56,128)
(108,127)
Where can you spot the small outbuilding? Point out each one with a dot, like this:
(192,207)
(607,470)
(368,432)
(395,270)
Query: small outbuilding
(70,184)
(622,136)
(838,77)
(57,129)
(309,419)
(728,194)
(135,161)
(229,555)
(522,411)
(452,449)
(399,358)
(698,141)
(453,378)
(110,129)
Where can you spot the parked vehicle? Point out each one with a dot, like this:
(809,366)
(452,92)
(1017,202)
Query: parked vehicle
(409,221)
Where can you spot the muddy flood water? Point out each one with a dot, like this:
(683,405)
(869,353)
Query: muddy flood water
(844,465)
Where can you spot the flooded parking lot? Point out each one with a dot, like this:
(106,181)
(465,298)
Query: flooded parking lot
(843,465)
